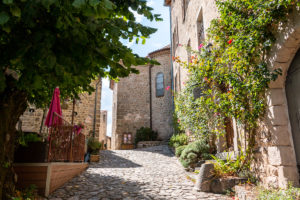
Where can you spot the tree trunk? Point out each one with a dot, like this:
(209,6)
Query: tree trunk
(13,103)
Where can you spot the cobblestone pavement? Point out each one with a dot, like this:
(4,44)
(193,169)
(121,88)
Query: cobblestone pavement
(150,173)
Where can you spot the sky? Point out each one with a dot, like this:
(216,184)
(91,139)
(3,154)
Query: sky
(156,41)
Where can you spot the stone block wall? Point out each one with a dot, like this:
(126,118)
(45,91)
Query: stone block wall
(134,107)
(275,160)
(103,126)
(187,34)
(162,109)
(131,105)
(84,108)
(277,164)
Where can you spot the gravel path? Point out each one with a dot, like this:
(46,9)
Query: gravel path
(150,173)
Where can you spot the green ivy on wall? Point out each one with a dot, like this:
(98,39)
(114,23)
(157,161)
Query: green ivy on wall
(231,73)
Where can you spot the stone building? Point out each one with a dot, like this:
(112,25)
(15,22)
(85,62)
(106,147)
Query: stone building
(141,100)
(102,137)
(87,111)
(278,145)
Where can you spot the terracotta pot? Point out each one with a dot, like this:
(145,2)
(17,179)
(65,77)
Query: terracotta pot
(95,158)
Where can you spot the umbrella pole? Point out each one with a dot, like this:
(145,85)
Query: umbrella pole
(71,136)
(72,122)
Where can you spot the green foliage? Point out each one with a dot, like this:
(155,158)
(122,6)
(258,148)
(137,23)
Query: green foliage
(145,134)
(194,152)
(26,194)
(178,140)
(179,150)
(50,43)
(231,167)
(291,193)
(94,146)
(232,72)
(25,138)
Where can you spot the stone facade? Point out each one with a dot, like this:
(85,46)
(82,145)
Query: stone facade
(85,110)
(136,104)
(103,126)
(276,163)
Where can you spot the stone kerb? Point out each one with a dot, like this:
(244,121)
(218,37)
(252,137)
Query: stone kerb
(280,150)
(147,144)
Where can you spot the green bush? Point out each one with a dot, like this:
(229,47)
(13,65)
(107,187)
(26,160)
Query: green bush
(194,152)
(274,194)
(178,140)
(26,138)
(179,150)
(145,134)
(93,146)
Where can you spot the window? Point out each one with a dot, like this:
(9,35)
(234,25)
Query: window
(160,85)
(127,138)
(175,38)
(189,52)
(184,8)
(178,81)
(200,28)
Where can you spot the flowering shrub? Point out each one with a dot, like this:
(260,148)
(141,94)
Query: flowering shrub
(231,73)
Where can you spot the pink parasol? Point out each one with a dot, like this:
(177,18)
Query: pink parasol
(54,108)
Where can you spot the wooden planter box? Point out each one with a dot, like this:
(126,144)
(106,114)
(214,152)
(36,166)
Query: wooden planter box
(34,152)
(47,176)
(94,158)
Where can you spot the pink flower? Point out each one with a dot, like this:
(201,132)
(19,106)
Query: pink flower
(168,88)
(200,46)
(180,45)
(178,120)
(183,83)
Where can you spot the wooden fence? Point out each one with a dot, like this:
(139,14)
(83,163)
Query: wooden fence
(65,145)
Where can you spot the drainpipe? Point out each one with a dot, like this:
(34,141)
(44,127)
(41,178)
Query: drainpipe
(95,108)
(171,54)
(150,91)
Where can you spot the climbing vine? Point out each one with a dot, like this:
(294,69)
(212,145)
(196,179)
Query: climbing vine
(230,70)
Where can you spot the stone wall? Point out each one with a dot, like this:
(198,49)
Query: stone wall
(131,105)
(275,161)
(131,101)
(276,158)
(84,113)
(103,126)
(162,108)
(186,31)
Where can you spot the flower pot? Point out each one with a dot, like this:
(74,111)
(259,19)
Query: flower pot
(95,158)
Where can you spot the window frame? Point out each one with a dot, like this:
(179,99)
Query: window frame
(163,84)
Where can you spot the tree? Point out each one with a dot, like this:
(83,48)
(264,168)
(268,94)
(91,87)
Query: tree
(65,43)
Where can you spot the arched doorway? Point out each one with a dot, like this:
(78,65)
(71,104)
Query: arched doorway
(292,88)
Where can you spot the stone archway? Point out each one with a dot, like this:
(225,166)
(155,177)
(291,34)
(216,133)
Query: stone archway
(279,153)
(292,88)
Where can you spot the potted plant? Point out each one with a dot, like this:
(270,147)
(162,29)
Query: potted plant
(94,147)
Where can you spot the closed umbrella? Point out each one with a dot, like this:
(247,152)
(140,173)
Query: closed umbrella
(54,108)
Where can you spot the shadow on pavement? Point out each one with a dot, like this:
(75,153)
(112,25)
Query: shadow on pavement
(163,149)
(95,186)
(108,159)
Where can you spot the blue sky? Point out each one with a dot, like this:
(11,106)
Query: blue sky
(156,41)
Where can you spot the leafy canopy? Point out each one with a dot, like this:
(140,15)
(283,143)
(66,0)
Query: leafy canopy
(68,43)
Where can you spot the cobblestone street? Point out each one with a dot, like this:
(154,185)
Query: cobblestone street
(150,173)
